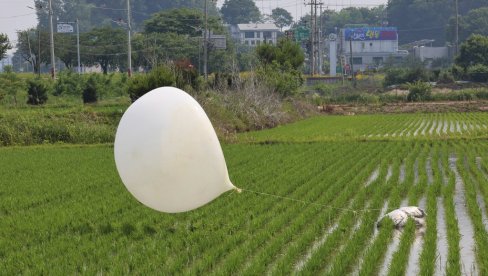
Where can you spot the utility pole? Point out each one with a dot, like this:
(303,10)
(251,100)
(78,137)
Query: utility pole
(53,64)
(39,51)
(129,47)
(457,27)
(352,63)
(78,44)
(205,43)
(321,44)
(314,36)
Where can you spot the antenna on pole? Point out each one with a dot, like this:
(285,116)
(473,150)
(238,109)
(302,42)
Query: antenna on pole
(129,47)
(53,64)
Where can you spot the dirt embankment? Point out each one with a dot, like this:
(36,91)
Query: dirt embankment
(427,107)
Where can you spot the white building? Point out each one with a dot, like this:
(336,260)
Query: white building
(431,53)
(254,34)
(371,46)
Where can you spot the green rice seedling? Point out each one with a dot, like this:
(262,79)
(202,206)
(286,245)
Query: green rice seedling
(398,264)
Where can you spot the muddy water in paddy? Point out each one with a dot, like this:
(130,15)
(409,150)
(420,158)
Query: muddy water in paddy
(442,246)
(428,170)
(479,196)
(413,265)
(401,177)
(316,245)
(466,231)
(416,172)
(389,173)
(371,241)
(374,175)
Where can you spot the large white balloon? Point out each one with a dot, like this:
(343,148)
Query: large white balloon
(167,153)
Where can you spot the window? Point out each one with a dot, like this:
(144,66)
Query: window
(362,45)
(377,60)
(267,35)
(249,34)
(253,42)
(357,60)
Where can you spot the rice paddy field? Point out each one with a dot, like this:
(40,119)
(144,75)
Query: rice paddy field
(312,194)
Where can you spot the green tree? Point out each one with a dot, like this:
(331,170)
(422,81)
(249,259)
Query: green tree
(475,22)
(4,45)
(418,20)
(181,21)
(240,11)
(473,51)
(28,43)
(280,66)
(281,18)
(66,49)
(153,49)
(106,47)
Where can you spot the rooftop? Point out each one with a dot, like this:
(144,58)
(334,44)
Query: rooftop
(255,26)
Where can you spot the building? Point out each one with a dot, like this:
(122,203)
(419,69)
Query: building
(430,54)
(371,47)
(254,34)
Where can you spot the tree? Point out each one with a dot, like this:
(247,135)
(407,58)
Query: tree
(473,51)
(97,13)
(240,11)
(280,66)
(105,46)
(153,49)
(472,23)
(28,43)
(66,49)
(4,45)
(181,21)
(281,18)
(418,20)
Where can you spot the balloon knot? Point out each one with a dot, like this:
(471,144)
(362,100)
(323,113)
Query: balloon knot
(238,190)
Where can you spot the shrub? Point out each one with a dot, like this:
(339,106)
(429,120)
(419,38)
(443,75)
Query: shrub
(284,82)
(445,76)
(458,72)
(68,83)
(478,73)
(419,91)
(394,76)
(37,91)
(90,92)
(141,84)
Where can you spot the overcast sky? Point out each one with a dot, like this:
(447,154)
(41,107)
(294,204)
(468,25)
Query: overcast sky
(15,15)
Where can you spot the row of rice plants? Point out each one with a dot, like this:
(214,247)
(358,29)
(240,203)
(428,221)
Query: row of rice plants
(373,254)
(317,262)
(453,256)
(407,192)
(344,261)
(466,170)
(271,174)
(395,126)
(311,238)
(428,255)
(298,214)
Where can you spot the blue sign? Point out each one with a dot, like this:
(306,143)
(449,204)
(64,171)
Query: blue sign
(371,33)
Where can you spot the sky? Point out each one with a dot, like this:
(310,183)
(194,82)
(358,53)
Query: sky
(15,15)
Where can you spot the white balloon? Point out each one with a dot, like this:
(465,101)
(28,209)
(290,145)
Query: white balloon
(167,153)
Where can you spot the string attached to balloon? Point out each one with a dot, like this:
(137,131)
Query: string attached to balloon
(169,157)
(309,202)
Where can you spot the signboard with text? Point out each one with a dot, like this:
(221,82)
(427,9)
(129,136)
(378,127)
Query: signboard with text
(371,33)
(65,28)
